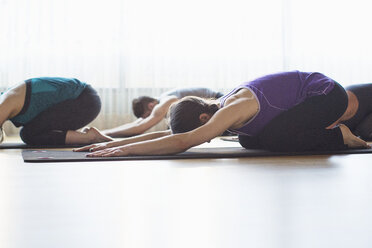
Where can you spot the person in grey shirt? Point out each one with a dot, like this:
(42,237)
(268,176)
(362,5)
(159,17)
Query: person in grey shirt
(150,111)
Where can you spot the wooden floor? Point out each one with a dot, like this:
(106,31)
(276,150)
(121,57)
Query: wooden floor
(303,201)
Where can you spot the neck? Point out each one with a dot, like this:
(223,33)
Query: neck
(217,102)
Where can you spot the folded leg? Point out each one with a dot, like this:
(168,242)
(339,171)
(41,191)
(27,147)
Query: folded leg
(51,126)
(364,128)
(303,128)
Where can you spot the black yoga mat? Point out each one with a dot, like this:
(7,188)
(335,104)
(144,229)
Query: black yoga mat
(21,145)
(231,138)
(40,156)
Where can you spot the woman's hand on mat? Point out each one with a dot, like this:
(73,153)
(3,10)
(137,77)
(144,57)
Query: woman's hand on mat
(110,152)
(94,147)
(351,140)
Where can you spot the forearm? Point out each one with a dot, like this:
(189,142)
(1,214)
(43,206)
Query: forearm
(125,130)
(122,142)
(159,146)
(169,144)
(143,137)
(141,125)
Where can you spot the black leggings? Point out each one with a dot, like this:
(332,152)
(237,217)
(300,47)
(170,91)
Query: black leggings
(303,127)
(50,126)
(361,123)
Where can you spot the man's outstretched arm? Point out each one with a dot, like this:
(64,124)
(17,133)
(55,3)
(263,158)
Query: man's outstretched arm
(142,125)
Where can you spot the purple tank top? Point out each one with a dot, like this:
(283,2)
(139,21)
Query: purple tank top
(279,92)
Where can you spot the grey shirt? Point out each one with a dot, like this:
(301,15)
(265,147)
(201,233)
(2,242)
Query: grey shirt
(192,91)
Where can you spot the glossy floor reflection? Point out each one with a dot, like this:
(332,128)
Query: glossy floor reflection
(301,201)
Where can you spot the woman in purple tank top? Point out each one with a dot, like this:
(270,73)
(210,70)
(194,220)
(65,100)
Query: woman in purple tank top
(288,111)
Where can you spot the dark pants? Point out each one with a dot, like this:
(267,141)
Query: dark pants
(50,126)
(361,123)
(218,95)
(303,127)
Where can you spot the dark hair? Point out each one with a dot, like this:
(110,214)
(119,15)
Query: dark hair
(139,105)
(184,115)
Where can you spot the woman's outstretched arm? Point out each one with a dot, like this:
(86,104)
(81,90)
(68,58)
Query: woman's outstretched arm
(143,137)
(239,109)
(175,143)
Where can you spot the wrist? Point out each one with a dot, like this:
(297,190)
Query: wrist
(128,150)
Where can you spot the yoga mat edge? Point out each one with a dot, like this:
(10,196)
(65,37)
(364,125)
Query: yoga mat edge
(48,156)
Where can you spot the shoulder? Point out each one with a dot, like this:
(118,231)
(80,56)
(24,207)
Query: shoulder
(241,94)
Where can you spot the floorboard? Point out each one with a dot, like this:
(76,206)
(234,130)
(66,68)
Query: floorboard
(294,201)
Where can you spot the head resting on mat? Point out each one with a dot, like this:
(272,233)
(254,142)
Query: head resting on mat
(187,114)
(143,105)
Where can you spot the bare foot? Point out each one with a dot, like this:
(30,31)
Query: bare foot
(85,129)
(351,140)
(88,135)
(96,136)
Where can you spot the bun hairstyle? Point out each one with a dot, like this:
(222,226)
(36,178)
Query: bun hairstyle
(184,115)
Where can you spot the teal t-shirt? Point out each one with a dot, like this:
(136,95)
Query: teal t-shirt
(44,92)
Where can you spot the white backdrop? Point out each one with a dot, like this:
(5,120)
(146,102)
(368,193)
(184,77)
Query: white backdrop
(122,47)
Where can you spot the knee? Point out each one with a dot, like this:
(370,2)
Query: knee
(47,137)
(249,142)
(365,132)
(277,142)
(27,136)
(93,103)
(95,106)
(364,128)
(94,110)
